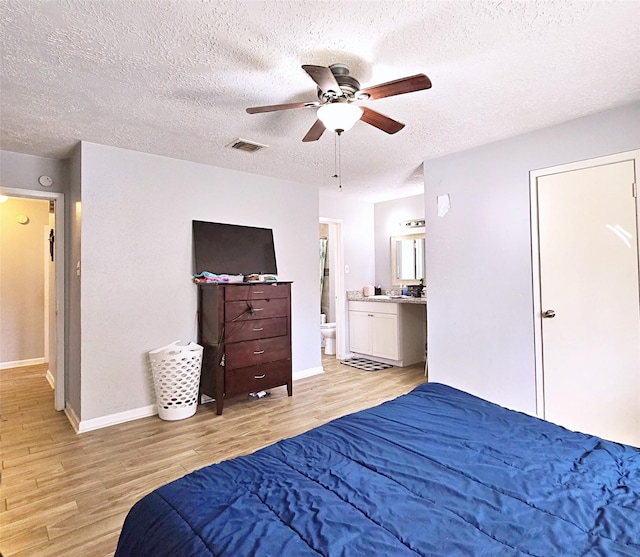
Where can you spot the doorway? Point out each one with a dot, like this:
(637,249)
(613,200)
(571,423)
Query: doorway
(53,310)
(587,296)
(334,282)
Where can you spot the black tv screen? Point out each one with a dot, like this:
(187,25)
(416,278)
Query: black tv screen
(233,249)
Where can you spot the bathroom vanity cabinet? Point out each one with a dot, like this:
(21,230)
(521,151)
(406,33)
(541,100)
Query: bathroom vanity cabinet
(391,332)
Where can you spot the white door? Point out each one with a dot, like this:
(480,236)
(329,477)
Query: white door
(589,308)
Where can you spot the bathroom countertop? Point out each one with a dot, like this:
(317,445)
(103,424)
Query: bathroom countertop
(357,296)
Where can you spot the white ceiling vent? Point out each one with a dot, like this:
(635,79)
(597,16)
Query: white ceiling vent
(248,146)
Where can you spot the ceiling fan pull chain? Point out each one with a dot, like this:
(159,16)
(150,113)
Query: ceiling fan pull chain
(335,156)
(339,134)
(336,160)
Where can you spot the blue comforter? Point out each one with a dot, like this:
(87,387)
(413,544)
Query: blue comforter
(436,472)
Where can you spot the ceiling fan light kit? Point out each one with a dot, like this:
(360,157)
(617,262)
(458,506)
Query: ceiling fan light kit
(339,116)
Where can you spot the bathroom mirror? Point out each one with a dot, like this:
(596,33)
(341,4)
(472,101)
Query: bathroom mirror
(407,259)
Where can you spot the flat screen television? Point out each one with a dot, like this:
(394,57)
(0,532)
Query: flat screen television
(233,249)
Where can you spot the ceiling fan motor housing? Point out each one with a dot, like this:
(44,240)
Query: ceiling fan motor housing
(348,84)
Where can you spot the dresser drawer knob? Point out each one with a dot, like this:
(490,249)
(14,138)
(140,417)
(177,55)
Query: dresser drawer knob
(258,328)
(260,376)
(258,309)
(256,352)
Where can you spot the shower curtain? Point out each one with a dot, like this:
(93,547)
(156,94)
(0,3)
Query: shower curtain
(323,256)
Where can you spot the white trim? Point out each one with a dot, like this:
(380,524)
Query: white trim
(59,393)
(309,372)
(22,363)
(537,311)
(51,379)
(535,251)
(114,419)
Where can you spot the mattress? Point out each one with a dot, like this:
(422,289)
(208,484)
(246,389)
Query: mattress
(435,472)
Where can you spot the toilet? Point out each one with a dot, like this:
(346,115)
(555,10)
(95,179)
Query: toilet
(328,331)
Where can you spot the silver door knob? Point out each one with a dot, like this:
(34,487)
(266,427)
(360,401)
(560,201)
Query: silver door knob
(549,314)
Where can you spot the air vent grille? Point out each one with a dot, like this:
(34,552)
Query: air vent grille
(248,146)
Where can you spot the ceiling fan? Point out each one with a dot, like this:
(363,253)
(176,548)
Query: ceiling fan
(337,91)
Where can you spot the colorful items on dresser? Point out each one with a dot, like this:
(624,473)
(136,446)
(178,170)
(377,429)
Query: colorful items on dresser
(206,277)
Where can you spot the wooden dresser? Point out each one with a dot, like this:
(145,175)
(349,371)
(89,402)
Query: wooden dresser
(245,330)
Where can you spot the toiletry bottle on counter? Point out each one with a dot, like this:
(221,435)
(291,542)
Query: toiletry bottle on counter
(403,290)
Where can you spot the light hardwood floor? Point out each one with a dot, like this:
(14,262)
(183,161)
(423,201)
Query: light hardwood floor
(63,494)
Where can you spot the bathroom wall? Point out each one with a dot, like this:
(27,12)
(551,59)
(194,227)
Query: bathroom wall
(388,217)
(356,221)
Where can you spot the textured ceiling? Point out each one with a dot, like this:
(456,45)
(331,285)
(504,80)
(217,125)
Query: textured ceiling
(174,78)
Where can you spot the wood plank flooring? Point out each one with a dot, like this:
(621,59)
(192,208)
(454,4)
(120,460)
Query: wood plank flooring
(63,494)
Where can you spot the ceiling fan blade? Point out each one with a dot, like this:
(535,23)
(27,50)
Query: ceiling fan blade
(324,78)
(398,87)
(380,121)
(315,132)
(274,107)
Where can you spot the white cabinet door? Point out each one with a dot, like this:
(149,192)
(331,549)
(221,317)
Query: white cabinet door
(384,335)
(359,335)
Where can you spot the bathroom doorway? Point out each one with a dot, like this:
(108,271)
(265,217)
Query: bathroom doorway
(332,297)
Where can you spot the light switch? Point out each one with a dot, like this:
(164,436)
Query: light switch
(444,204)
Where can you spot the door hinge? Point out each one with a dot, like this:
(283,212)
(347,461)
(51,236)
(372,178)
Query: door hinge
(634,189)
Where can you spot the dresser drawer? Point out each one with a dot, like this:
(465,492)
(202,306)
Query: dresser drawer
(257,378)
(261,290)
(256,309)
(252,352)
(256,328)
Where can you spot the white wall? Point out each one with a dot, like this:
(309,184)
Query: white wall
(387,216)
(478,257)
(356,218)
(136,262)
(22,171)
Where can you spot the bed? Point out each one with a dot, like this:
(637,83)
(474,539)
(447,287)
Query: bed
(435,472)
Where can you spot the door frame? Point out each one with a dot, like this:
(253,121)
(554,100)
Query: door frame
(336,264)
(58,198)
(633,156)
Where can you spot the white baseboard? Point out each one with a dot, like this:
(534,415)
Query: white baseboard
(310,372)
(51,379)
(22,363)
(82,426)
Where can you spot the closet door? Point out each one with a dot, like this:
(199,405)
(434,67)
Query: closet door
(589,300)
